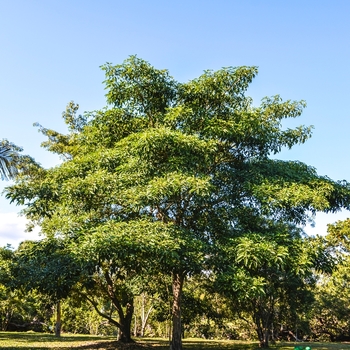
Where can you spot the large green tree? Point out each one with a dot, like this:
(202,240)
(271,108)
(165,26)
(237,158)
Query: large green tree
(189,161)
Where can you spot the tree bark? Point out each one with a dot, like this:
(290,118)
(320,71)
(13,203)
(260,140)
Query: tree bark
(263,332)
(125,329)
(135,326)
(58,320)
(265,342)
(176,341)
(9,314)
(144,314)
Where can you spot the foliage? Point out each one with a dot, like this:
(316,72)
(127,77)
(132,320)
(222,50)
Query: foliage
(11,161)
(339,235)
(19,309)
(331,311)
(269,276)
(46,266)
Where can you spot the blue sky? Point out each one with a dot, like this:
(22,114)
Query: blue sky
(51,52)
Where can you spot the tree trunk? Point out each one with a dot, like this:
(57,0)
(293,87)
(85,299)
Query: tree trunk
(9,314)
(125,335)
(144,314)
(265,342)
(176,341)
(135,326)
(263,336)
(263,333)
(125,329)
(58,320)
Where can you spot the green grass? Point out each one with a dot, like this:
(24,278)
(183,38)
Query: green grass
(36,341)
(39,341)
(200,344)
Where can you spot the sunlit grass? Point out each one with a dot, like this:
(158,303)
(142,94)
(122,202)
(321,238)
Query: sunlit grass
(34,341)
(40,341)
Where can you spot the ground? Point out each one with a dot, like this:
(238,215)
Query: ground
(39,341)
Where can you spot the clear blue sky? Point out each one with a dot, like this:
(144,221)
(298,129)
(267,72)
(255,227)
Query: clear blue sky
(51,52)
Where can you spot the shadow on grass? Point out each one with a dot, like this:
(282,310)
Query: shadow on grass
(201,344)
(40,341)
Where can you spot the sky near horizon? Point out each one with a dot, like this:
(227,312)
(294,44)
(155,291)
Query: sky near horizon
(51,52)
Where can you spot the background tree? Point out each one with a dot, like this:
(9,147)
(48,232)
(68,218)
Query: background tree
(330,315)
(20,310)
(331,312)
(7,298)
(269,276)
(48,267)
(189,159)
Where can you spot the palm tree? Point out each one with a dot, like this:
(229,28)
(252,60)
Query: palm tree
(8,160)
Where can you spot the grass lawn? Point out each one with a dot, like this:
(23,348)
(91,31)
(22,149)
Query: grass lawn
(40,341)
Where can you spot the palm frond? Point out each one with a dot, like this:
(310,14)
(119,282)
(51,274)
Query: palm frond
(8,168)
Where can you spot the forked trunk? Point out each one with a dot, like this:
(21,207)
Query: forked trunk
(124,322)
(176,341)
